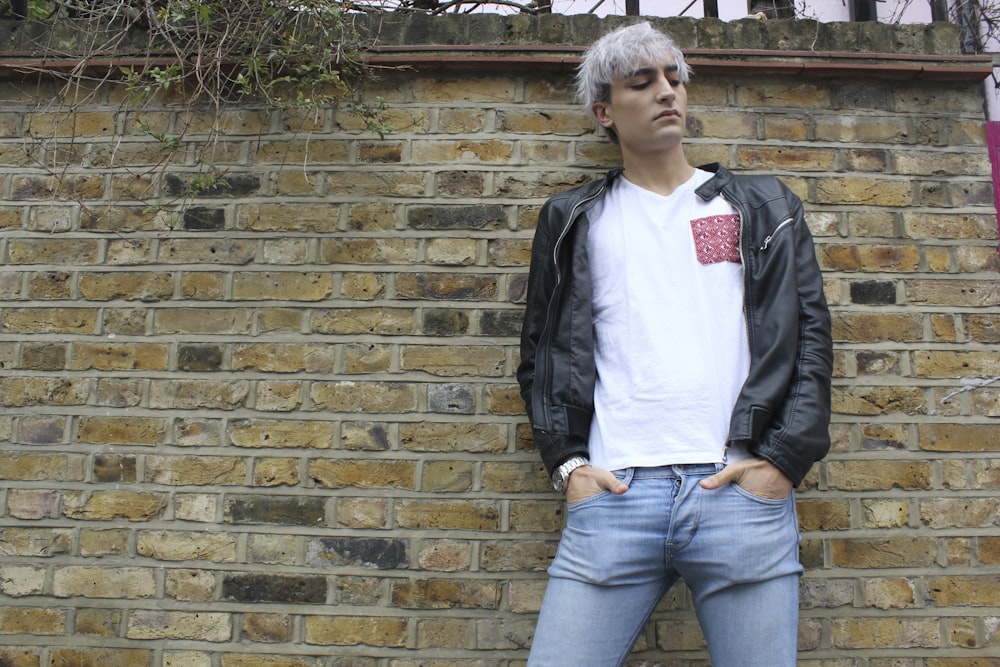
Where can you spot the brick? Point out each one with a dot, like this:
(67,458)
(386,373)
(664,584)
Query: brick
(202,321)
(42,357)
(115,468)
(885,513)
(196,470)
(258,286)
(884,553)
(20,581)
(953,293)
(362,513)
(109,505)
(204,626)
(356,631)
(283,358)
(364,397)
(824,514)
(367,358)
(44,391)
(373,184)
(178,546)
(35,542)
(130,286)
(870,258)
(445,556)
(940,363)
(471,437)
(445,321)
(32,503)
(281,434)
(101,623)
(876,400)
(453,360)
(955,513)
(119,357)
(50,285)
(194,394)
(379,553)
(445,594)
(959,437)
(289,589)
(100,582)
(899,633)
(289,510)
(446,286)
(340,473)
(364,320)
(491,151)
(447,514)
(963,590)
(871,475)
(202,251)
(271,628)
(64,467)
(295,152)
(191,585)
(110,542)
(451,252)
(81,657)
(48,320)
(276,472)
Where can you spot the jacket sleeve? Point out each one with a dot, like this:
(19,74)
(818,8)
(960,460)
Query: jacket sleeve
(541,282)
(798,435)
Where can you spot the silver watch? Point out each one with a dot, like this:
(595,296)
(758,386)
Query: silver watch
(561,474)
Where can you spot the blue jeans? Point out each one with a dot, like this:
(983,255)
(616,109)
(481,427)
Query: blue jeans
(619,555)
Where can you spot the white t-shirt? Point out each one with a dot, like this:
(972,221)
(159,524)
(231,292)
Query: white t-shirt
(671,337)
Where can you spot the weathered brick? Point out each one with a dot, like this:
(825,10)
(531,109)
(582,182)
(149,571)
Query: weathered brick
(340,473)
(379,553)
(176,545)
(109,505)
(884,553)
(290,510)
(447,514)
(104,582)
(130,286)
(204,626)
(274,588)
(196,470)
(356,631)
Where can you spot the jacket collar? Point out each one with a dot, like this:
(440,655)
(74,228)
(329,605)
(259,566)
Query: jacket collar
(713,186)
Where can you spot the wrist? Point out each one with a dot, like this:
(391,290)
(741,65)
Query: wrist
(561,474)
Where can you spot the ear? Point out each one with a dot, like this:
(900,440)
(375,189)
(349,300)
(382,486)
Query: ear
(602,114)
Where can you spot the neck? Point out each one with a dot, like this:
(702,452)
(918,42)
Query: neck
(661,172)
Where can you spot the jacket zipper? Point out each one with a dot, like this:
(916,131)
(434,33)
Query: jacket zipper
(767,241)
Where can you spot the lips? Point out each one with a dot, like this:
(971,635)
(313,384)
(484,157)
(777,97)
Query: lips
(668,113)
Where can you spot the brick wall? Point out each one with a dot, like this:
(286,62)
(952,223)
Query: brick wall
(278,425)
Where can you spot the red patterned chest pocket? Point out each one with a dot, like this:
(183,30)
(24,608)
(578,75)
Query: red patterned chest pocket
(717,238)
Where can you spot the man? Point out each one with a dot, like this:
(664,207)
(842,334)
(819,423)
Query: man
(675,365)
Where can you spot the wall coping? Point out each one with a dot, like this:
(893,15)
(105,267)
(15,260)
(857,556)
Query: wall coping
(704,61)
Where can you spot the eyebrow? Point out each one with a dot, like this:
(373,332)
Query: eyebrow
(646,71)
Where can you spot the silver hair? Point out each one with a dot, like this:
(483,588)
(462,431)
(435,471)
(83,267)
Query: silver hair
(616,55)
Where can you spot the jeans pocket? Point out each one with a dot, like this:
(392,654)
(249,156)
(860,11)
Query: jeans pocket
(773,502)
(624,475)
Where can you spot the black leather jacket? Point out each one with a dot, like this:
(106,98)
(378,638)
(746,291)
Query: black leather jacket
(783,410)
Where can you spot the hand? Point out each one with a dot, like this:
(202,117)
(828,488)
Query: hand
(755,476)
(587,481)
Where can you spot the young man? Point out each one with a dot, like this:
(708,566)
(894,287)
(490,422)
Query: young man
(675,364)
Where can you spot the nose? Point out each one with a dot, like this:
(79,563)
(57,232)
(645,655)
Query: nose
(665,92)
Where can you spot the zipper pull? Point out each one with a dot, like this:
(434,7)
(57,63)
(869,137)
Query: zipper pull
(767,241)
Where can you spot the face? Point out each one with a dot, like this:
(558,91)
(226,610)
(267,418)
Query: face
(647,109)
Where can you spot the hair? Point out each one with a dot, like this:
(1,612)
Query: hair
(616,55)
